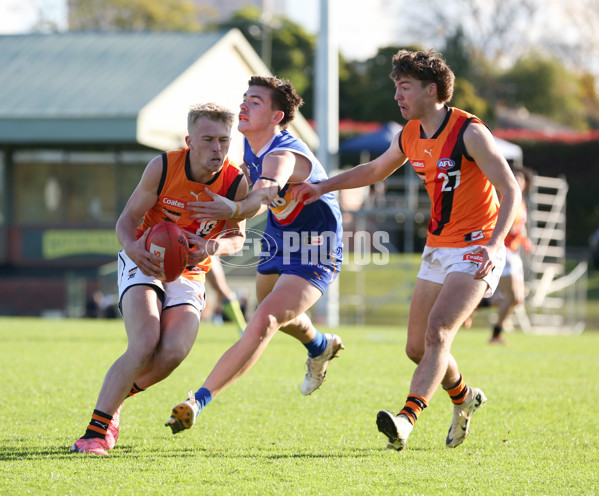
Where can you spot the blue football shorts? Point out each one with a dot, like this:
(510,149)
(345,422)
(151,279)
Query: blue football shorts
(309,264)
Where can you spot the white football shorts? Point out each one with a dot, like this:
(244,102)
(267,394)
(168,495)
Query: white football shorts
(179,292)
(438,262)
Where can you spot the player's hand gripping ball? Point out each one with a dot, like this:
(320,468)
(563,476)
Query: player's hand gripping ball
(168,241)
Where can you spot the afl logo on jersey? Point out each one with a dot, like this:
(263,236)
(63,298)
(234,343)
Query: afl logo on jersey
(445,164)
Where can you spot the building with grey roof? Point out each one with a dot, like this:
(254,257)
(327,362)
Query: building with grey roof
(81,114)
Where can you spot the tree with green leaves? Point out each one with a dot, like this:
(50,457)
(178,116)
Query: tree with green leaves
(366,93)
(536,82)
(285,46)
(544,86)
(133,15)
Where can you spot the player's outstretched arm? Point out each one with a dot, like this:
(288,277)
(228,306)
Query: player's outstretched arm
(361,175)
(278,167)
(306,192)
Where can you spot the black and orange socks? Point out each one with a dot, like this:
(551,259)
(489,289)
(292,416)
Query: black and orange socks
(458,391)
(100,421)
(134,390)
(98,425)
(413,407)
(415,404)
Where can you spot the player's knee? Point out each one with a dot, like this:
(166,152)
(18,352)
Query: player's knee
(272,321)
(438,335)
(171,361)
(262,326)
(140,353)
(414,353)
(142,349)
(171,356)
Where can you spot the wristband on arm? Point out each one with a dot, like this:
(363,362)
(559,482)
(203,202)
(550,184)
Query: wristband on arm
(237,210)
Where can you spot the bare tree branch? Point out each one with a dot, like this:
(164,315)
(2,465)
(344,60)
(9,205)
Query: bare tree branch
(497,29)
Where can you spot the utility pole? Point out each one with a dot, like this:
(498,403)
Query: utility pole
(266,26)
(326,99)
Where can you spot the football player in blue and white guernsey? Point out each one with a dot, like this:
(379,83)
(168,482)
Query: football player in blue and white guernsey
(301,246)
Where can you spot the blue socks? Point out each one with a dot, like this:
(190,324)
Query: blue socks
(317,345)
(203,397)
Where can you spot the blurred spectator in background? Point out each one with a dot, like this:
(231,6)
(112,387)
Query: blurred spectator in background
(101,306)
(511,285)
(511,289)
(229,305)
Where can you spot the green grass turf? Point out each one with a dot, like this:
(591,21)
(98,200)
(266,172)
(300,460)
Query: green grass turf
(538,433)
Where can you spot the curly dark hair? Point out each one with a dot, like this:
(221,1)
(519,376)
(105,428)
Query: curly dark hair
(425,66)
(283,96)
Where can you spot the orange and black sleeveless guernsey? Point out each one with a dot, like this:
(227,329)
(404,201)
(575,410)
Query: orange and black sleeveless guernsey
(464,203)
(176,188)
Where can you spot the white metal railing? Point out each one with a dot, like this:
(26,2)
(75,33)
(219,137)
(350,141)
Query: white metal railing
(556,301)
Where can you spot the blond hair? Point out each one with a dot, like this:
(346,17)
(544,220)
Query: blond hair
(210,111)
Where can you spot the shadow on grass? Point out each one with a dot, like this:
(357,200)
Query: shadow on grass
(8,453)
(21,452)
(340,453)
(14,453)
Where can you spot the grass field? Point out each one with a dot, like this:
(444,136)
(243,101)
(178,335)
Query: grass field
(537,435)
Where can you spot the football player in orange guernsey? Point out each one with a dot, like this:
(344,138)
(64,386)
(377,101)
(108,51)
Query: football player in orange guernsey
(162,319)
(455,155)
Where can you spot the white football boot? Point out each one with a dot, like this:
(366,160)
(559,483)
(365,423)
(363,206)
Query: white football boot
(316,368)
(460,425)
(396,427)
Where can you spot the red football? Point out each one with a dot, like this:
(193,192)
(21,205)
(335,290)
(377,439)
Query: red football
(168,241)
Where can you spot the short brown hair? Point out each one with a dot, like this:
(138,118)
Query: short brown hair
(283,96)
(211,111)
(426,67)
